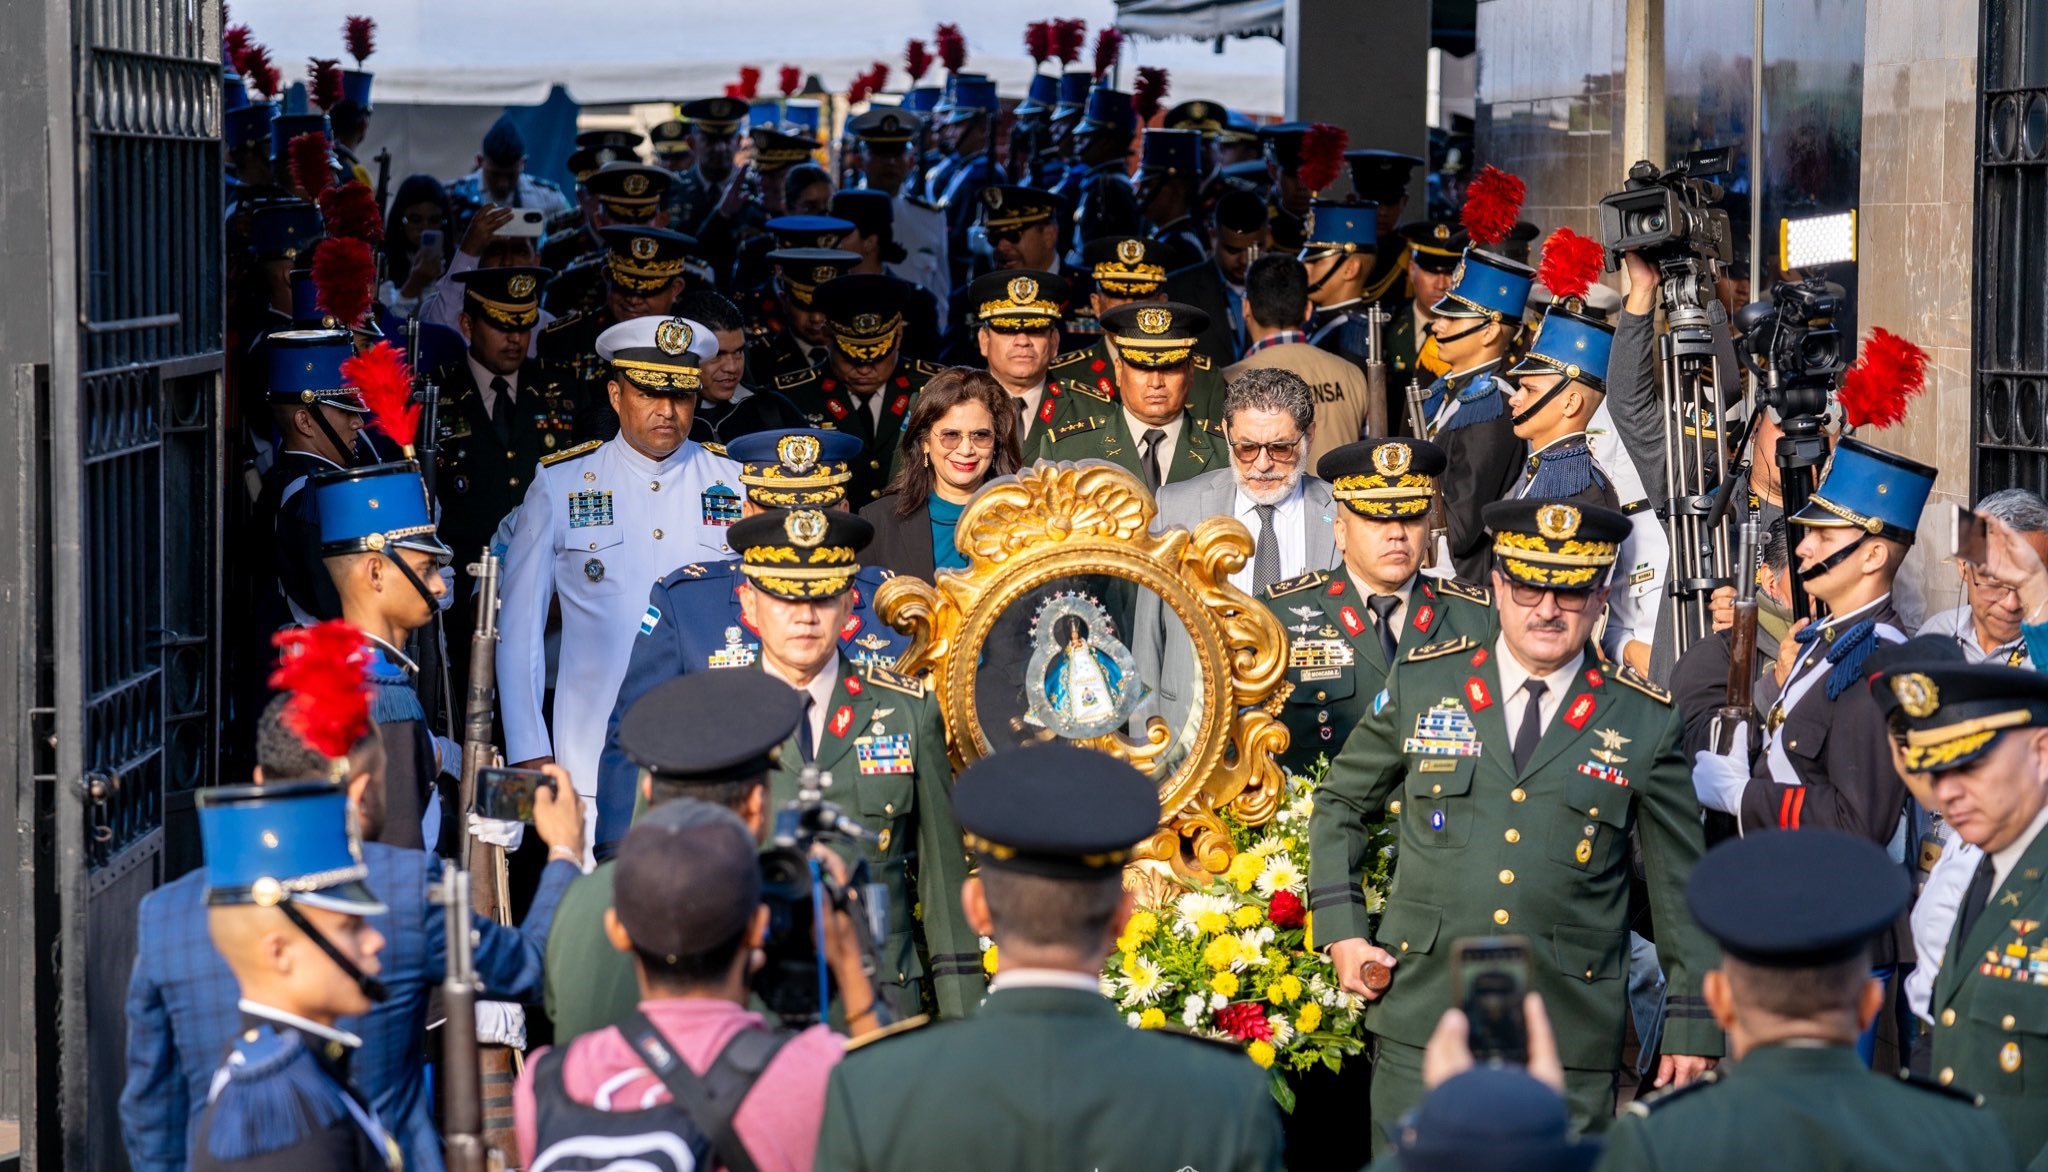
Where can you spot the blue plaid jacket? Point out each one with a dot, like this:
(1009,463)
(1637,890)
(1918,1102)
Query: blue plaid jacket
(182,1015)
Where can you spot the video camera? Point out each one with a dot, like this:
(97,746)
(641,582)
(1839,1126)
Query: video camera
(1791,346)
(796,983)
(1666,214)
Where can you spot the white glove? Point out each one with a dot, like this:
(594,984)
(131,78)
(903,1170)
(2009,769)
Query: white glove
(497,832)
(501,1023)
(1720,778)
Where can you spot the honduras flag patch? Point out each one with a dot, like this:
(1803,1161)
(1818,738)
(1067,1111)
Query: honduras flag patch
(648,620)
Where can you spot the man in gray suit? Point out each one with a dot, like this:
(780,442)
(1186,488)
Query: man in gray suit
(1268,423)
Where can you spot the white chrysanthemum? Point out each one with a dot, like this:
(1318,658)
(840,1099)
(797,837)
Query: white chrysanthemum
(1142,982)
(1250,950)
(1300,808)
(1280,875)
(1283,1030)
(1268,846)
(1218,1001)
(1131,1020)
(1194,905)
(1266,934)
(1191,1013)
(986,943)
(1105,985)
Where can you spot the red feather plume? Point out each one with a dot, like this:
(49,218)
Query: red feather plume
(952,45)
(878,77)
(1570,265)
(385,380)
(1108,43)
(1038,41)
(1149,88)
(261,75)
(1068,35)
(360,35)
(916,60)
(790,79)
(323,77)
(1493,202)
(324,668)
(234,43)
(311,172)
(1322,155)
(750,82)
(857,89)
(1889,371)
(350,210)
(344,270)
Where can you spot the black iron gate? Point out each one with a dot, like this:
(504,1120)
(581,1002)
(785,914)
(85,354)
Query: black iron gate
(2010,384)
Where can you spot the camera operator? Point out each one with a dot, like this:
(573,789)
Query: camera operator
(591,984)
(693,1064)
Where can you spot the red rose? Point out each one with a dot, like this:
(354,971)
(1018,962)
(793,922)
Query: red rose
(1244,1021)
(1286,911)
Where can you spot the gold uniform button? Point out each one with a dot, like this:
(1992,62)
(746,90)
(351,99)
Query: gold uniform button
(2006,1022)
(1947,1075)
(654,486)
(1948,1017)
(511,455)
(593,545)
(875,464)
(1436,789)
(1517,794)
(1589,974)
(1394,807)
(1593,813)
(1321,695)
(514,482)
(1404,948)
(1507,877)
(657,535)
(889,808)
(1513,835)
(1500,915)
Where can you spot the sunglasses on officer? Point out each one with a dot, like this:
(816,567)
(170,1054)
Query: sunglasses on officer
(1569,601)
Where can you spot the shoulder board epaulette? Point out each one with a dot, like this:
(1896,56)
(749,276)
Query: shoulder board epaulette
(270,1095)
(1628,676)
(1438,650)
(582,449)
(1076,427)
(795,378)
(1069,359)
(895,681)
(1091,390)
(895,1030)
(927,369)
(1642,1108)
(1459,588)
(1927,1084)
(1202,362)
(686,573)
(1307,581)
(561,321)
(716,449)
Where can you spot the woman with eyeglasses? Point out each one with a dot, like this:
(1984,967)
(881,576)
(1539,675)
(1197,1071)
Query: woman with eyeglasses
(962,432)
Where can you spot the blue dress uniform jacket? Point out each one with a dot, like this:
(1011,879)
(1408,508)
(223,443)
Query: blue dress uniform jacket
(182,1017)
(693,624)
(281,1102)
(1467,416)
(1107,206)
(601,524)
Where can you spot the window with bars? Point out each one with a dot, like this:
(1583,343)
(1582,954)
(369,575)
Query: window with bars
(2010,382)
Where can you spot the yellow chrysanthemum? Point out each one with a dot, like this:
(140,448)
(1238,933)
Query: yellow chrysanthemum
(1248,917)
(1152,1019)
(1221,952)
(1311,1016)
(1285,990)
(1261,1053)
(1210,923)
(988,959)
(1308,931)
(1243,870)
(1224,983)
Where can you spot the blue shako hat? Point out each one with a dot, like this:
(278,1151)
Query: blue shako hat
(1570,344)
(288,841)
(1868,488)
(1489,286)
(373,508)
(304,366)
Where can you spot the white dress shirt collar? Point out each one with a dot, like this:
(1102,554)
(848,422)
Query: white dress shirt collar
(1023,978)
(1167,446)
(483,376)
(1513,677)
(819,690)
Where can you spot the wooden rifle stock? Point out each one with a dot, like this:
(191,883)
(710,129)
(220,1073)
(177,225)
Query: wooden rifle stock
(461,1078)
(1741,702)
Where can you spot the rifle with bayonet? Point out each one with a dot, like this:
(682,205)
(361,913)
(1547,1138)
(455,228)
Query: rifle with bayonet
(1375,372)
(1418,425)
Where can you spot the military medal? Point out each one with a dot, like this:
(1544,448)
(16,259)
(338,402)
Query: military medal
(721,505)
(1445,731)
(594,569)
(737,652)
(590,507)
(1320,659)
(885,753)
(1607,757)
(2009,1057)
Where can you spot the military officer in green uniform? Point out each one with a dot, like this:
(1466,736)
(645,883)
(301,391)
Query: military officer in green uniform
(1128,270)
(643,276)
(866,384)
(1981,731)
(1149,430)
(880,737)
(1434,249)
(1346,627)
(1519,769)
(1794,991)
(623,194)
(1046,1074)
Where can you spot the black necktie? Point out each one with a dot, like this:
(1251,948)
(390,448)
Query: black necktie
(1266,555)
(1382,607)
(806,744)
(501,408)
(1532,724)
(1975,897)
(863,419)
(1150,442)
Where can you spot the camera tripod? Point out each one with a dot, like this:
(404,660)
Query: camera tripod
(1697,376)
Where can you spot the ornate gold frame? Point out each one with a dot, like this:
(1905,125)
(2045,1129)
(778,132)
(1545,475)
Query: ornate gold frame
(1092,517)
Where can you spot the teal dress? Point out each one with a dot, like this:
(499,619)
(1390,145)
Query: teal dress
(945,515)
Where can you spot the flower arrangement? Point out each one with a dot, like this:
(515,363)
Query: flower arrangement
(1234,957)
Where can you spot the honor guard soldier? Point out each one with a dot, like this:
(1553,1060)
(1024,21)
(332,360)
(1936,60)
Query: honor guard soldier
(1475,326)
(694,621)
(1978,731)
(1105,203)
(320,417)
(714,137)
(1434,249)
(1793,991)
(1342,242)
(642,277)
(1346,628)
(786,332)
(1381,178)
(626,195)
(864,388)
(1128,270)
(601,523)
(1519,768)
(966,116)
(1050,827)
(1556,388)
(1281,144)
(287,910)
(1018,314)
(1169,174)
(885,146)
(1149,431)
(880,737)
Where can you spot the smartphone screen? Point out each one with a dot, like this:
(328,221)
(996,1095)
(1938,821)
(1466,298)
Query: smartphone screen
(1972,536)
(430,240)
(1489,978)
(507,794)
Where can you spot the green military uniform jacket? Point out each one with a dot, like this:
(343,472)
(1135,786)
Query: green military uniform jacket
(1334,660)
(1990,1006)
(823,398)
(1809,1107)
(1046,1078)
(1091,369)
(1104,434)
(1399,345)
(588,984)
(1544,852)
(568,351)
(884,744)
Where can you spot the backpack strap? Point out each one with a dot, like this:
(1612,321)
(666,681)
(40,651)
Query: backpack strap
(712,1100)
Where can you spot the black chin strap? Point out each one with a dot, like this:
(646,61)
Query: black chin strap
(1324,279)
(372,987)
(348,451)
(1832,560)
(1462,334)
(1539,404)
(432,603)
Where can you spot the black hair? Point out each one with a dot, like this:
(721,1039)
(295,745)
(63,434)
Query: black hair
(731,793)
(397,251)
(801,176)
(1277,287)
(1043,911)
(694,969)
(1799,993)
(709,310)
